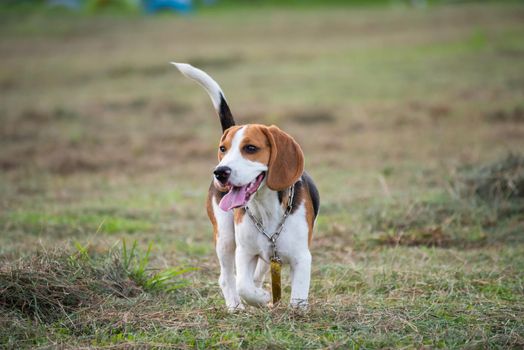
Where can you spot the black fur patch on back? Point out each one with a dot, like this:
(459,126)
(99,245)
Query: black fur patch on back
(305,180)
(313,192)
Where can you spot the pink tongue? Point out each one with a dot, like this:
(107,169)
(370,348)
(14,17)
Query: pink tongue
(236,197)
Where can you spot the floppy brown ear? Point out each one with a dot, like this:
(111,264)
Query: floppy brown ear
(286,162)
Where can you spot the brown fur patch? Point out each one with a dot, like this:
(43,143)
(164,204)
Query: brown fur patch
(213,194)
(239,215)
(255,135)
(310,215)
(210,213)
(226,140)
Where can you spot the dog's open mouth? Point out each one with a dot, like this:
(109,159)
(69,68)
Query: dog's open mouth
(239,196)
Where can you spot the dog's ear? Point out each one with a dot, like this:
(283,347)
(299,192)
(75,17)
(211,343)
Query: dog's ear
(286,161)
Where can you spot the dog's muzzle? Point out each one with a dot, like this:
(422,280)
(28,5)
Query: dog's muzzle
(222,174)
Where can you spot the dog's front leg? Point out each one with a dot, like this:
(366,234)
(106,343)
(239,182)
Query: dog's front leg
(225,249)
(300,279)
(251,294)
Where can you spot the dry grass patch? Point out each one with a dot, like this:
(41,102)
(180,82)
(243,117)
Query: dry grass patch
(52,285)
(501,180)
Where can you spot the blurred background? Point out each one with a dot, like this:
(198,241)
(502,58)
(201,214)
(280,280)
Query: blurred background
(410,114)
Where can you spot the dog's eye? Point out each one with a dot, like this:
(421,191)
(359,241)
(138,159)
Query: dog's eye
(250,148)
(222,149)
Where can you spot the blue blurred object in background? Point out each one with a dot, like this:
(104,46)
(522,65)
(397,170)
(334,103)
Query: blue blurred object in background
(70,4)
(182,6)
(149,6)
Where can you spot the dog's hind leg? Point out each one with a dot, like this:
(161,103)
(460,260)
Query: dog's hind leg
(260,273)
(300,279)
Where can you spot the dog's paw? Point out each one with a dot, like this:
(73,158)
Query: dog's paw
(299,304)
(235,308)
(254,296)
(266,296)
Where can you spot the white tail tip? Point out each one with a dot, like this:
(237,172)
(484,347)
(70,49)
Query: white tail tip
(212,88)
(201,77)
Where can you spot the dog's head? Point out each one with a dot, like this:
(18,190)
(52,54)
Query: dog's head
(251,156)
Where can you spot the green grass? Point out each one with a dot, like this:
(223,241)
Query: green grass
(30,221)
(406,117)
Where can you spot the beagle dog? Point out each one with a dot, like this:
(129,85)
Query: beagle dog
(260,202)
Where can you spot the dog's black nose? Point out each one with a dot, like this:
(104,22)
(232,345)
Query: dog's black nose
(222,174)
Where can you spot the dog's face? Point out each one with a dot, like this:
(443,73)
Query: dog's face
(253,155)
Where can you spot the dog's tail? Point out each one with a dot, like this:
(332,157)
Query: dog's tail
(213,89)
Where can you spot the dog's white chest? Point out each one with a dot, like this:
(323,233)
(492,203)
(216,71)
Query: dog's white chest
(290,242)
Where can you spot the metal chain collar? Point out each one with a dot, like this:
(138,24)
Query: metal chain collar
(260,226)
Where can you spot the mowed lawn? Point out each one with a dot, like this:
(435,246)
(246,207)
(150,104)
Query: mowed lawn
(411,120)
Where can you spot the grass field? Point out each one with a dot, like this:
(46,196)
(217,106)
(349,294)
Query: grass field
(407,118)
